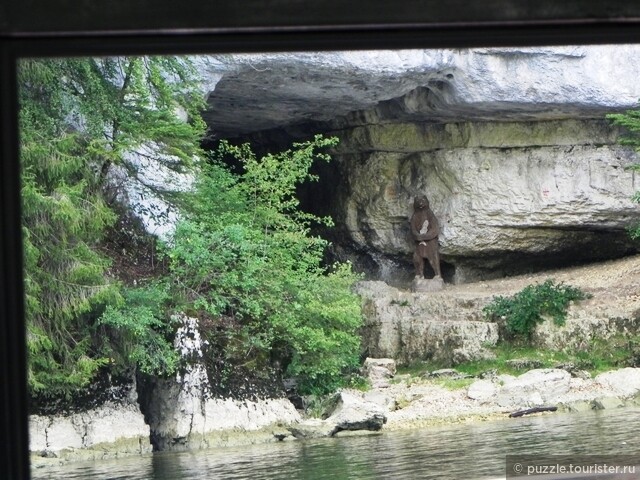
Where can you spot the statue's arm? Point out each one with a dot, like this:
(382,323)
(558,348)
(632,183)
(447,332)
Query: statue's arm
(434,229)
(416,226)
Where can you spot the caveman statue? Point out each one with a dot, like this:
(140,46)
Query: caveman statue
(425,231)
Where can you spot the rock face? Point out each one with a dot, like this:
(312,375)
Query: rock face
(413,327)
(505,203)
(265,91)
(183,415)
(510,145)
(108,431)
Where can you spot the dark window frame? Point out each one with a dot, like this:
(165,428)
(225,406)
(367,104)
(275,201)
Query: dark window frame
(71,27)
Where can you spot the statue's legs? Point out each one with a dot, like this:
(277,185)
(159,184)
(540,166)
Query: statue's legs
(418,263)
(431,252)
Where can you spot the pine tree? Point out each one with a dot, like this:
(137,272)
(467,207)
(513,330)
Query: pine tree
(78,117)
(630,120)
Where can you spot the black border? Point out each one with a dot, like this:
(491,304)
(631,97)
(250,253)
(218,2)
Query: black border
(101,27)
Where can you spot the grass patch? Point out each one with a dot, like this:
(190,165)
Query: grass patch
(453,383)
(601,355)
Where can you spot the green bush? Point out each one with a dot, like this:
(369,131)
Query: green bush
(139,332)
(245,259)
(527,308)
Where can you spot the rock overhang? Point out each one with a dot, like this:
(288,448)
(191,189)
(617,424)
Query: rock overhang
(512,145)
(248,93)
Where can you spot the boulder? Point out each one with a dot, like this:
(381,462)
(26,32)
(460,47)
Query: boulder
(380,397)
(624,382)
(484,391)
(534,388)
(348,412)
(312,428)
(379,371)
(352,412)
(607,403)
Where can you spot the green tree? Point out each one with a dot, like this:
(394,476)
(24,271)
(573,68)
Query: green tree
(630,120)
(78,117)
(246,259)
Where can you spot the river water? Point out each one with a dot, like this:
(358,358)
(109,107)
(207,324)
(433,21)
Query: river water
(465,451)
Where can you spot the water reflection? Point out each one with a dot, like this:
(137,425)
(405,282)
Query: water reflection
(474,450)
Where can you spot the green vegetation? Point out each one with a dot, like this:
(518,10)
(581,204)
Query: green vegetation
(453,383)
(243,260)
(527,308)
(244,257)
(78,117)
(599,356)
(630,120)
(136,331)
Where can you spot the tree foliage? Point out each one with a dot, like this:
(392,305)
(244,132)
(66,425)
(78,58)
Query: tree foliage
(78,117)
(630,120)
(245,257)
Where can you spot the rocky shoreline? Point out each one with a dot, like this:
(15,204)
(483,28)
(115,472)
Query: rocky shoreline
(412,403)
(401,402)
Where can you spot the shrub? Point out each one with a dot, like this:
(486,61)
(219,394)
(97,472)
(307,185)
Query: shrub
(527,308)
(244,260)
(138,333)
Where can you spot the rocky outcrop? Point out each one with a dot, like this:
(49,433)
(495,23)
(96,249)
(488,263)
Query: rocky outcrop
(449,326)
(109,431)
(184,421)
(349,412)
(183,414)
(410,327)
(510,144)
(260,92)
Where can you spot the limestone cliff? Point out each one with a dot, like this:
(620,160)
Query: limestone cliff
(510,144)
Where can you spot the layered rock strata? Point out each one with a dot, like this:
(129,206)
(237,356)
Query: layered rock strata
(510,144)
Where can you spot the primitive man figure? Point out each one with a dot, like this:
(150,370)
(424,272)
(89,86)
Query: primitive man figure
(425,231)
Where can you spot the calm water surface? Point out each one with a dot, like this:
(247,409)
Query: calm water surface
(473,451)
